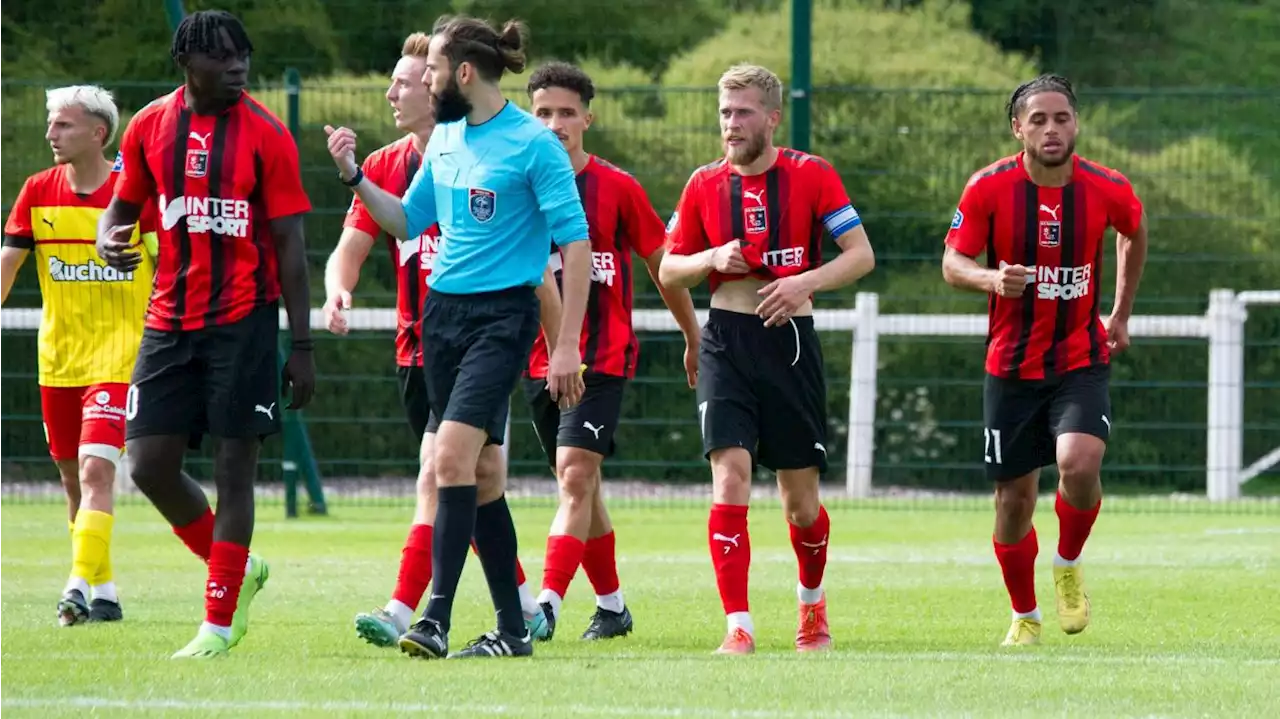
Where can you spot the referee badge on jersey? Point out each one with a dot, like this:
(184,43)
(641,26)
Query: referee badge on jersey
(482,203)
(1050,233)
(197,163)
(756,219)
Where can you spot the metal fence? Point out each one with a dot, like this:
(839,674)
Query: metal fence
(904,156)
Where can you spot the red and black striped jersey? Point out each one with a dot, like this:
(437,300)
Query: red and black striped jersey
(392,168)
(1055,327)
(778,215)
(621,222)
(218,181)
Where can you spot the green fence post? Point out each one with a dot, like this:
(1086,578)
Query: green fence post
(299,459)
(801,75)
(173,9)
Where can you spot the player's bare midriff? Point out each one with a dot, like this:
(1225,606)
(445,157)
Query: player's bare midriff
(743,296)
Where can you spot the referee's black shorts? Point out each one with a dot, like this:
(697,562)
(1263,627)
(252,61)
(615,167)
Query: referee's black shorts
(474,348)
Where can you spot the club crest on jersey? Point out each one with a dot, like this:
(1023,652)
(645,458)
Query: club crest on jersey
(482,203)
(197,163)
(119,163)
(757,220)
(1050,233)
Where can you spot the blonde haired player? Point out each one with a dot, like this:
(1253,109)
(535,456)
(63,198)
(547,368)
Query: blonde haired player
(90,328)
(751,225)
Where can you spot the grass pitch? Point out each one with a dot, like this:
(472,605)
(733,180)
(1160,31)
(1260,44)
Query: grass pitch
(1184,623)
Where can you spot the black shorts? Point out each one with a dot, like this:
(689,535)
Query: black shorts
(474,349)
(222,380)
(413,397)
(588,425)
(1022,419)
(763,388)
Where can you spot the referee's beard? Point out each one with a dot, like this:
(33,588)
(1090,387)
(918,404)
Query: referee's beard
(451,105)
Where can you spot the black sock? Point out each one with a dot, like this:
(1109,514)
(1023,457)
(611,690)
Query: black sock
(450,540)
(496,544)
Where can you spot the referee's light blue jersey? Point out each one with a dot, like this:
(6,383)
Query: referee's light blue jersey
(502,192)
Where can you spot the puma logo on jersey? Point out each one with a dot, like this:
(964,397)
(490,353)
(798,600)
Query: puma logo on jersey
(47,221)
(266,410)
(592,428)
(727,540)
(757,196)
(1053,211)
(202,139)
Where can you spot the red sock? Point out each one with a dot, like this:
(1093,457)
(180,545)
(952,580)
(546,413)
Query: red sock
(564,554)
(226,574)
(730,554)
(1018,564)
(415,566)
(600,563)
(1074,526)
(198,536)
(520,578)
(810,544)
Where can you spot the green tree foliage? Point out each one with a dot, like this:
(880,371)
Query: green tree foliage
(614,36)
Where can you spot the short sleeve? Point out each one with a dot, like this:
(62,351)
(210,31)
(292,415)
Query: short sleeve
(148,224)
(136,184)
(282,191)
(555,187)
(834,207)
(419,201)
(644,227)
(17,228)
(685,233)
(1126,209)
(358,217)
(968,233)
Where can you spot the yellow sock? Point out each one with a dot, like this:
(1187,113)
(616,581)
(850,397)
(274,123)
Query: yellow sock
(104,567)
(91,538)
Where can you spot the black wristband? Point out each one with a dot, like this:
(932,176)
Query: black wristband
(306,345)
(355,179)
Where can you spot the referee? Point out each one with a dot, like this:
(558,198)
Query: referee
(501,187)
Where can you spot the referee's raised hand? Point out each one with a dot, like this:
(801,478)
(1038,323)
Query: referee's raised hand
(342,147)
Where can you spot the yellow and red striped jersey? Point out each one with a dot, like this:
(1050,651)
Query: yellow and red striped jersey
(92,317)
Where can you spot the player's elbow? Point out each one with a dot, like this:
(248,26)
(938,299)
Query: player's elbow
(950,273)
(670,275)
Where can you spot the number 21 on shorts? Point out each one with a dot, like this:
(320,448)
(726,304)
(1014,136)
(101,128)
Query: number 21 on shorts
(991,446)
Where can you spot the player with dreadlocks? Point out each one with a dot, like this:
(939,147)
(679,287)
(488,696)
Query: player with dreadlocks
(1040,217)
(224,172)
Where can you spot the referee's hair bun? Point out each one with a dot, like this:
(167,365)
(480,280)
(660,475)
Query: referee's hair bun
(511,44)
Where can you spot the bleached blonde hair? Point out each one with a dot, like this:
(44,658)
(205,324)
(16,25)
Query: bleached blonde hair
(94,100)
(741,77)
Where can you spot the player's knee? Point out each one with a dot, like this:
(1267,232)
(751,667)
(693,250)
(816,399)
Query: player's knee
(579,476)
(97,474)
(426,483)
(1081,466)
(731,472)
(801,511)
(1016,499)
(799,494)
(69,474)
